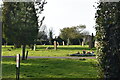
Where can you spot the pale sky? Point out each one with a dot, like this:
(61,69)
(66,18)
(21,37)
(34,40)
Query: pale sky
(67,13)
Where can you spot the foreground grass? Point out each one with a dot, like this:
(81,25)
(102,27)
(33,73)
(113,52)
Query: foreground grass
(41,50)
(51,68)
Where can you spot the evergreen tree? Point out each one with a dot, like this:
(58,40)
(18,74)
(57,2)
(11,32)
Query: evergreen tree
(108,36)
(20,22)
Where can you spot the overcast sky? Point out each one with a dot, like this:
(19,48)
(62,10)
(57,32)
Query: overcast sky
(67,13)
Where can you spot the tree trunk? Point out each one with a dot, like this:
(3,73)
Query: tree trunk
(23,52)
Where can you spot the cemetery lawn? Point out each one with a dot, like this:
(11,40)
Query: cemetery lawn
(62,51)
(51,68)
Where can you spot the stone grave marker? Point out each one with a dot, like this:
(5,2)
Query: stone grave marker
(63,43)
(55,45)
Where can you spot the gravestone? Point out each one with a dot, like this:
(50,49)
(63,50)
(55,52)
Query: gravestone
(55,45)
(68,41)
(34,47)
(63,43)
(82,43)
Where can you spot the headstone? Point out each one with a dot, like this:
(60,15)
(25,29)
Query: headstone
(91,42)
(34,47)
(55,45)
(63,43)
(82,43)
(68,41)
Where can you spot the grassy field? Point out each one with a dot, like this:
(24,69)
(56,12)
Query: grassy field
(41,50)
(51,68)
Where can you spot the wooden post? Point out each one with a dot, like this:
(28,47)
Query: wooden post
(18,67)
(26,55)
(23,52)
(55,45)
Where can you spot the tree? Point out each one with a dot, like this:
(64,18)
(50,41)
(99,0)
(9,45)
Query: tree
(20,22)
(42,35)
(70,34)
(51,36)
(59,40)
(108,36)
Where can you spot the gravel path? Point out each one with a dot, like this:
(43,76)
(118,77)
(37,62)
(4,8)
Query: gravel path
(56,57)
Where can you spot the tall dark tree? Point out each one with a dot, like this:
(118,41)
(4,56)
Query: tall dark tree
(108,36)
(20,22)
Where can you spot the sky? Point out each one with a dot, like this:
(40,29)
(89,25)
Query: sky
(67,13)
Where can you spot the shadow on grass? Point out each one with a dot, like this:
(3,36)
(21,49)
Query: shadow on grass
(75,48)
(68,48)
(50,68)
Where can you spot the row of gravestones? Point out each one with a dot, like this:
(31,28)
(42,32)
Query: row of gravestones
(94,44)
(57,44)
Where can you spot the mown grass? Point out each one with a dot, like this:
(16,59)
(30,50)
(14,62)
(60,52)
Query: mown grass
(41,50)
(51,68)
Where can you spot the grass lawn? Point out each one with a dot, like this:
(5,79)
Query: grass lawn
(41,50)
(51,68)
